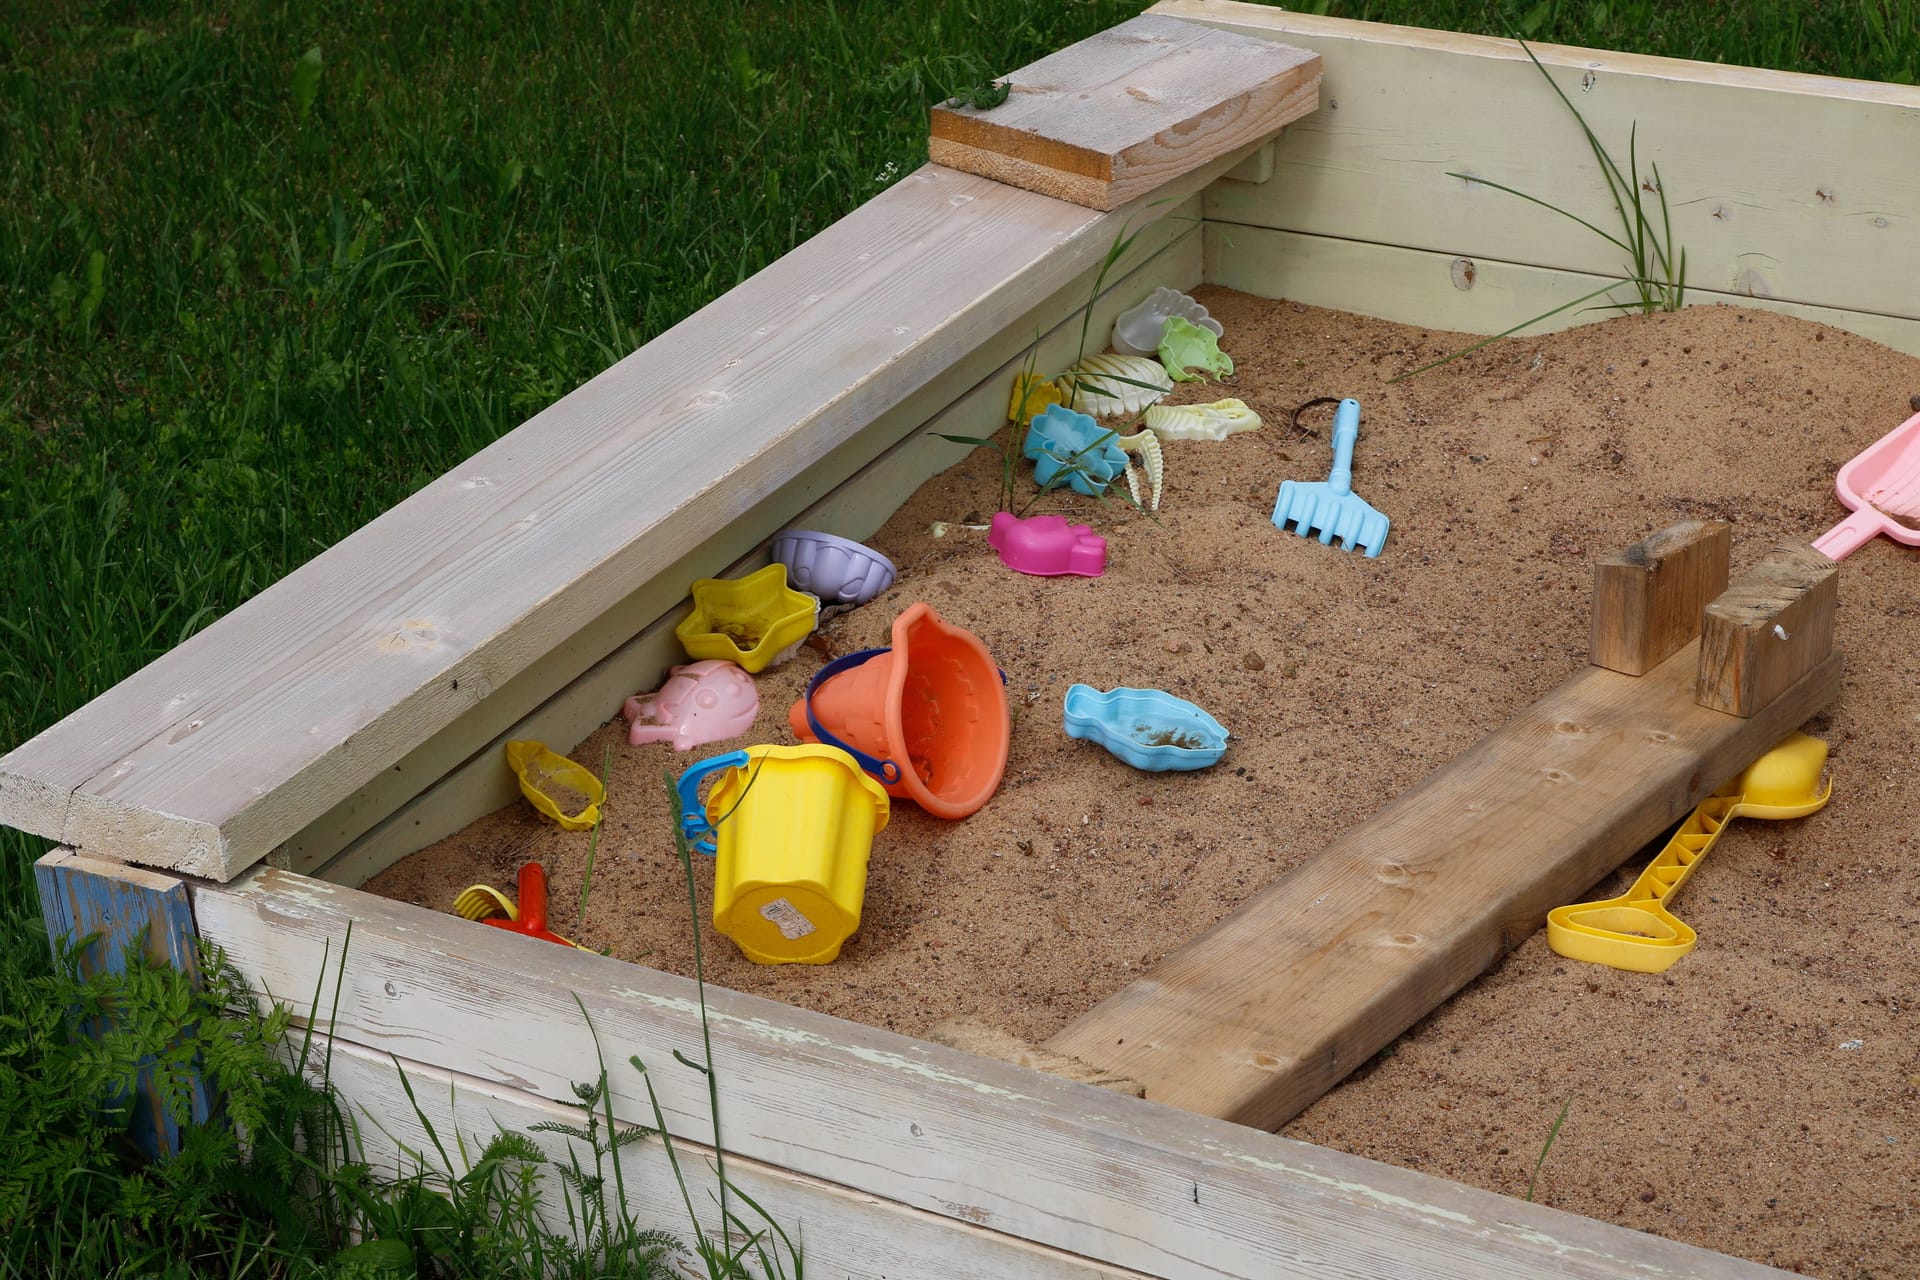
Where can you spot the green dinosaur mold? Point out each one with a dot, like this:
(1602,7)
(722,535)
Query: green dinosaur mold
(1185,345)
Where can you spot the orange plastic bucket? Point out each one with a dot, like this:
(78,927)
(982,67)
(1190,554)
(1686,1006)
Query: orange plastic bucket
(928,717)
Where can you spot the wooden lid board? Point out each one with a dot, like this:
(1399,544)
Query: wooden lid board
(1113,117)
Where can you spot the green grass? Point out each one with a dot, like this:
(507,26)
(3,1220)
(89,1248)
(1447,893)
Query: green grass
(267,268)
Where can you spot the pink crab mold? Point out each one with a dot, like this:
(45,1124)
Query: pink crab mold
(1048,546)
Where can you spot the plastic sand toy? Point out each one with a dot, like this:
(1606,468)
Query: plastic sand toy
(1031,395)
(1635,931)
(838,570)
(555,786)
(1186,346)
(928,717)
(791,829)
(1147,728)
(701,702)
(1881,486)
(757,621)
(488,905)
(1047,546)
(1139,329)
(1214,421)
(1330,507)
(1063,441)
(1109,386)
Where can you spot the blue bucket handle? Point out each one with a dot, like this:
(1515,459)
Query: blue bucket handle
(693,814)
(885,770)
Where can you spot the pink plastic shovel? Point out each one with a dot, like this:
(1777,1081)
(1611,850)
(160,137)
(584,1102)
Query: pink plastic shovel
(1882,486)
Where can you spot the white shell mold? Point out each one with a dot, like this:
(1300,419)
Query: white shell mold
(1097,389)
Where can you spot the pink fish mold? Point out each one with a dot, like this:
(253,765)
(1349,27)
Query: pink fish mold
(1047,546)
(701,702)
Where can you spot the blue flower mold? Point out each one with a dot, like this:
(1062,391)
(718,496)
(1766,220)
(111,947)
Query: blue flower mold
(1147,728)
(1063,440)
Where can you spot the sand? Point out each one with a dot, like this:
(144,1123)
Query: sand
(1758,1099)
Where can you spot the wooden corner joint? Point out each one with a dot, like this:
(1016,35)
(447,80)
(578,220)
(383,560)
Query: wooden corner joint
(1767,630)
(1648,600)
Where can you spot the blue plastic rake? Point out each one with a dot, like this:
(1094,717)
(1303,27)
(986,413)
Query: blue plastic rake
(1329,508)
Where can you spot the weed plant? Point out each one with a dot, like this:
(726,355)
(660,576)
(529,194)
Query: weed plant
(1011,444)
(1656,267)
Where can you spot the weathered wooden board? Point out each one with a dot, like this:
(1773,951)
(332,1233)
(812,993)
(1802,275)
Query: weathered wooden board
(1128,109)
(1766,630)
(126,907)
(1468,295)
(226,746)
(1779,185)
(1649,599)
(458,776)
(1058,1164)
(843,1233)
(1313,976)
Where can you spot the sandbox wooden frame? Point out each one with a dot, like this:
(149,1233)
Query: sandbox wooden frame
(353,711)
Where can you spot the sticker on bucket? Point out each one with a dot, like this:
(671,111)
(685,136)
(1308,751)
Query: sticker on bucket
(786,917)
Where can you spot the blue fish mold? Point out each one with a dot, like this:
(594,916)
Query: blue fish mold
(1147,728)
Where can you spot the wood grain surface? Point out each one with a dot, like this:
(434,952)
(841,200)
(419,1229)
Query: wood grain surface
(1103,121)
(1309,979)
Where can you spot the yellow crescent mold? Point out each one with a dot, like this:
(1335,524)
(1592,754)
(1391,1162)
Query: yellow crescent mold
(1214,421)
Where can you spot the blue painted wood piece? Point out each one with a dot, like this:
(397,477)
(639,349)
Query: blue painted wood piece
(80,895)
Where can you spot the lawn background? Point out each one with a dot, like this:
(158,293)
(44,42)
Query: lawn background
(265,269)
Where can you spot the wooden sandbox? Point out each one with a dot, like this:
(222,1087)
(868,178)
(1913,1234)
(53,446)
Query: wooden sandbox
(240,787)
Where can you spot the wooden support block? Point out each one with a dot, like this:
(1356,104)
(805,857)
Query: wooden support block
(1254,170)
(1313,976)
(1767,630)
(126,906)
(1128,110)
(1648,599)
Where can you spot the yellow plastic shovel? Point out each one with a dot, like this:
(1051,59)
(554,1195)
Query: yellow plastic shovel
(1635,930)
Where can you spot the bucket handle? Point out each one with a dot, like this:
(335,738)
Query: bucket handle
(693,815)
(885,770)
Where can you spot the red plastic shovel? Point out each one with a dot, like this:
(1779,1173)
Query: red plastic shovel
(532,920)
(1882,487)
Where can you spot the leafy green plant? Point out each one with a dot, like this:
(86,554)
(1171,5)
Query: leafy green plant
(76,1195)
(984,96)
(1656,267)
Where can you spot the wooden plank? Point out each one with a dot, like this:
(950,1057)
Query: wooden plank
(1317,973)
(1767,630)
(126,907)
(1049,1161)
(1467,295)
(1648,599)
(474,783)
(1777,183)
(225,747)
(843,1233)
(1124,111)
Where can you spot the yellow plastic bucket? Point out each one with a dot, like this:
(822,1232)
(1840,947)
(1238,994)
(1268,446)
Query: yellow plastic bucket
(791,829)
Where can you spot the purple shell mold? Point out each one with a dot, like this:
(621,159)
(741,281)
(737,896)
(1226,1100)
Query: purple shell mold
(838,570)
